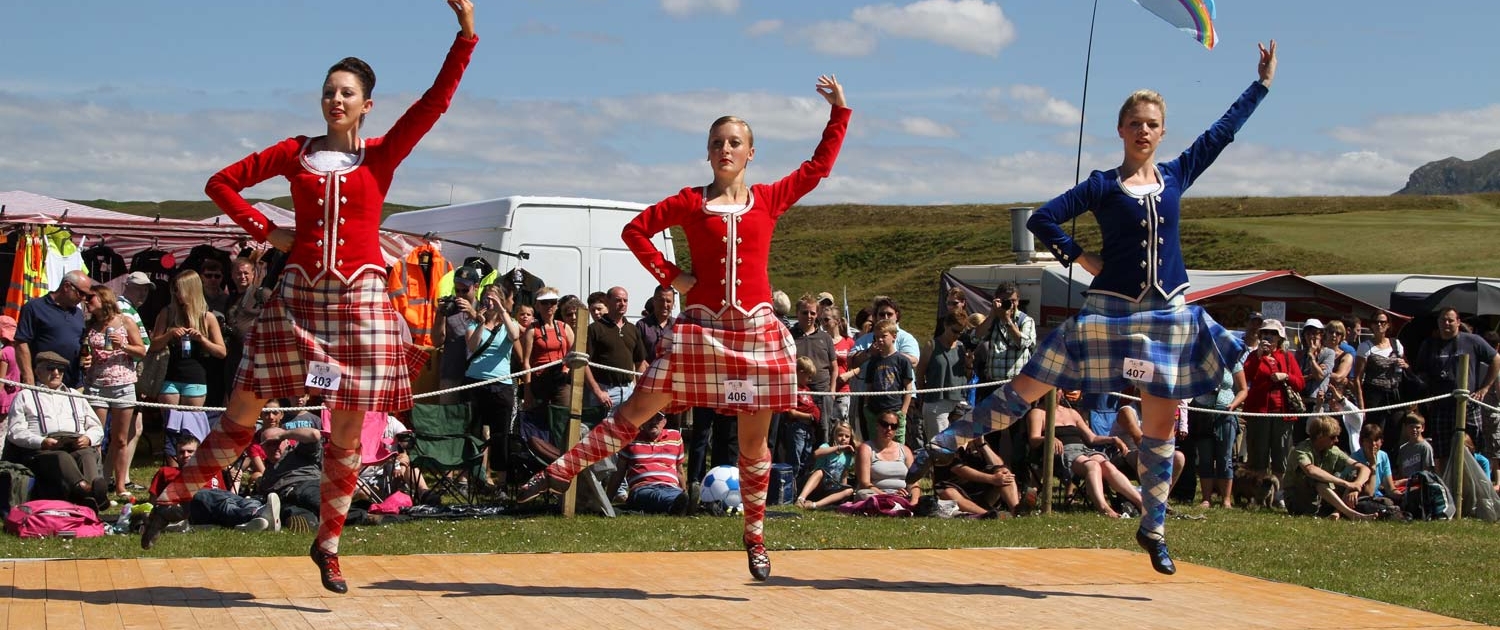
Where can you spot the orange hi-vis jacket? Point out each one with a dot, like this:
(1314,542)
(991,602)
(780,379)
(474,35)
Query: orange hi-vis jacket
(413,291)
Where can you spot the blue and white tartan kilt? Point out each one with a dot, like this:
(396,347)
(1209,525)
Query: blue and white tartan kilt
(1186,347)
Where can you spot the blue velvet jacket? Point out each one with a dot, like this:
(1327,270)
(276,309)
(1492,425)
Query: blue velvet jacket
(1142,249)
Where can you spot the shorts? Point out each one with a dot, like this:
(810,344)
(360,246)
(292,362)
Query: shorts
(121,396)
(190,390)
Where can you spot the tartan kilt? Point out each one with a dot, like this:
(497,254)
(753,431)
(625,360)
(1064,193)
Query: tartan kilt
(703,350)
(1186,347)
(352,326)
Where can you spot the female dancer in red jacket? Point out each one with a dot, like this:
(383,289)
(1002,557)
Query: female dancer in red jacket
(726,350)
(330,325)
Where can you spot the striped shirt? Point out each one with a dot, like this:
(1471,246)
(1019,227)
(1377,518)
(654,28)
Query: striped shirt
(654,462)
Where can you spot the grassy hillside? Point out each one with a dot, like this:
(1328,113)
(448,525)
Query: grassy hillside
(902,250)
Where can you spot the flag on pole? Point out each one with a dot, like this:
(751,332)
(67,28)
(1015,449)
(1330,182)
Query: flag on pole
(1194,17)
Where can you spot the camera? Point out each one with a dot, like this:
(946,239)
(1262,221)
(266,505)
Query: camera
(448,305)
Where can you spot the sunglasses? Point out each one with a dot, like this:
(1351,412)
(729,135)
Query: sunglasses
(51,367)
(886,314)
(890,425)
(1268,335)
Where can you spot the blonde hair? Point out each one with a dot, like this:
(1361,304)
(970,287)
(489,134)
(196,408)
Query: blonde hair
(108,307)
(187,307)
(842,425)
(885,326)
(730,120)
(1319,426)
(1140,97)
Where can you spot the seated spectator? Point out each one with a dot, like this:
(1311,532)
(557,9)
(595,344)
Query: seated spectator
(883,462)
(57,436)
(1482,461)
(1415,454)
(1127,429)
(305,419)
(1371,439)
(1321,479)
(828,483)
(1073,446)
(978,480)
(803,423)
(654,465)
(214,505)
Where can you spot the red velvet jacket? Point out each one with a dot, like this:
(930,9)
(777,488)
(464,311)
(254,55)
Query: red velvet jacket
(731,251)
(1264,393)
(338,213)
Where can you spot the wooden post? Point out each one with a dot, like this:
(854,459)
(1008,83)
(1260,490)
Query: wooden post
(1458,454)
(575,411)
(1051,401)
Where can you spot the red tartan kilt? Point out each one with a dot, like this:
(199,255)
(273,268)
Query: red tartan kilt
(702,350)
(352,326)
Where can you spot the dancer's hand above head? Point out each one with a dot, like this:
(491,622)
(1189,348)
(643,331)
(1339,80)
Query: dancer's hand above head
(1267,67)
(464,9)
(829,87)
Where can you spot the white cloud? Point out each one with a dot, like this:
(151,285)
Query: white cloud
(763,27)
(680,8)
(927,127)
(1427,137)
(972,26)
(1031,104)
(76,149)
(839,39)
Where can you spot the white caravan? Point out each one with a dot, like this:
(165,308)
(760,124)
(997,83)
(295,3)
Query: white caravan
(574,244)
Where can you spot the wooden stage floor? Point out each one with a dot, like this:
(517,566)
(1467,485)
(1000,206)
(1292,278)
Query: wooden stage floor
(961,588)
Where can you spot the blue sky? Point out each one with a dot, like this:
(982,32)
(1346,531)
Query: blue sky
(967,101)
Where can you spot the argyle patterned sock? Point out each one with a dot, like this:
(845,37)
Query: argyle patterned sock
(606,439)
(340,473)
(755,479)
(1155,469)
(222,446)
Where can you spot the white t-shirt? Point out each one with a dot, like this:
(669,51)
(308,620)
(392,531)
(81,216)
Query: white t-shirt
(1367,347)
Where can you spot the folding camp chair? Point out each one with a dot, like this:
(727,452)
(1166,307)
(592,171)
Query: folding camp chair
(447,440)
(378,456)
(592,496)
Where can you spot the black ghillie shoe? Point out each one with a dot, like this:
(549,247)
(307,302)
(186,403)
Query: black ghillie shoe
(157,521)
(540,484)
(1161,559)
(759,561)
(328,570)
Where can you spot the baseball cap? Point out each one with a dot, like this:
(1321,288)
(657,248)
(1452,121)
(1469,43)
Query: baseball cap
(138,277)
(466,275)
(49,358)
(825,297)
(1313,322)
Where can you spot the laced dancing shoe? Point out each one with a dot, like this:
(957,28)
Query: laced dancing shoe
(328,570)
(157,521)
(759,561)
(540,484)
(1161,559)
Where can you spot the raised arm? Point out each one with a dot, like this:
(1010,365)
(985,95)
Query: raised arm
(424,113)
(1207,147)
(789,189)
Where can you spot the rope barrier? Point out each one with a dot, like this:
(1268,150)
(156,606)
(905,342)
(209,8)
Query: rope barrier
(579,359)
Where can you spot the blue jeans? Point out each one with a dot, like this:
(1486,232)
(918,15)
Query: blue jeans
(797,444)
(656,498)
(222,508)
(617,394)
(1216,447)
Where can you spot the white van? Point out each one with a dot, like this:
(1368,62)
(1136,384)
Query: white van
(574,243)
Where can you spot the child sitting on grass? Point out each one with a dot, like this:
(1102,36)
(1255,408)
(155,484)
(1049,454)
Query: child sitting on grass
(827,484)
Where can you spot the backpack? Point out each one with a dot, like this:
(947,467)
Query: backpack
(1427,498)
(15,485)
(46,517)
